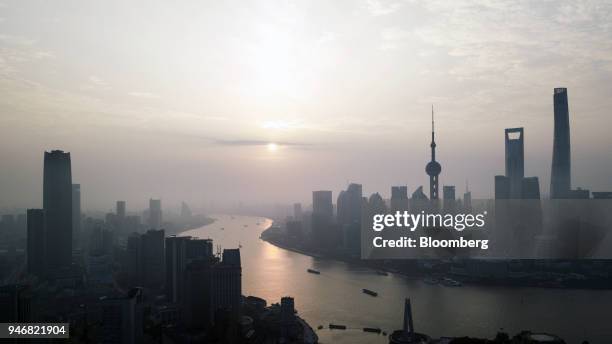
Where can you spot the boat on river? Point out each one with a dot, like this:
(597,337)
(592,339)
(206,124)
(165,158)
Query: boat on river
(370,292)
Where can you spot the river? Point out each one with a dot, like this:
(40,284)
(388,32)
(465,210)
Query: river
(335,296)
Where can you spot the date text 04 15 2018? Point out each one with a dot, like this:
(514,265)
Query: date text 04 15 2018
(34,330)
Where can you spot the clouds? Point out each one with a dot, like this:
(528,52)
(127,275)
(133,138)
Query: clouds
(382,7)
(351,81)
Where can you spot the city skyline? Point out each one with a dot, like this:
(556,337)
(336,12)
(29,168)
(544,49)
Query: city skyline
(279,90)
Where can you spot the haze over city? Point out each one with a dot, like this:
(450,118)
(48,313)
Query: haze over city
(265,102)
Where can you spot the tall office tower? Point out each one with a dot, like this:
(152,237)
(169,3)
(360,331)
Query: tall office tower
(448,192)
(120,209)
(122,318)
(502,187)
(76,215)
(57,203)
(199,249)
(515,160)
(322,229)
(15,303)
(196,310)
(467,198)
(433,168)
(153,258)
(226,282)
(322,204)
(287,309)
(399,198)
(133,261)
(560,179)
(349,204)
(36,241)
(297,211)
(176,262)
(530,188)
(155,214)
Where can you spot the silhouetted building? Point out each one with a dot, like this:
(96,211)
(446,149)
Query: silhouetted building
(76,215)
(227,283)
(349,205)
(155,214)
(448,195)
(196,311)
(297,211)
(530,187)
(502,187)
(399,198)
(15,304)
(407,334)
(448,192)
(122,318)
(602,195)
(560,179)
(515,160)
(578,193)
(322,233)
(36,241)
(199,249)
(467,199)
(210,286)
(287,309)
(57,203)
(153,258)
(120,209)
(179,252)
(433,168)
(176,262)
(322,204)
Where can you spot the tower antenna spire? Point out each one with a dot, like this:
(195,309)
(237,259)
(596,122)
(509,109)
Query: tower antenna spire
(432,122)
(433,168)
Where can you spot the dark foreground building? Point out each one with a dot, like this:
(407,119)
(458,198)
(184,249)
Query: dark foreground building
(57,203)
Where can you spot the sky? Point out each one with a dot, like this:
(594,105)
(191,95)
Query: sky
(265,101)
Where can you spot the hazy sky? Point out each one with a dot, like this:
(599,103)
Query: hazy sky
(180,99)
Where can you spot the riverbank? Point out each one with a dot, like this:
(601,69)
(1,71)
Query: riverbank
(567,278)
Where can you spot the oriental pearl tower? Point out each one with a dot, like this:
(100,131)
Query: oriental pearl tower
(433,168)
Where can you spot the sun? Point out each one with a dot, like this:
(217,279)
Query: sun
(272,147)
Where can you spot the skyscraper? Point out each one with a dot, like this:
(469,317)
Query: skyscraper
(120,209)
(153,258)
(448,192)
(349,204)
(322,204)
(560,179)
(515,160)
(36,241)
(297,211)
(57,203)
(322,218)
(176,262)
(502,187)
(433,168)
(155,214)
(467,199)
(76,214)
(399,198)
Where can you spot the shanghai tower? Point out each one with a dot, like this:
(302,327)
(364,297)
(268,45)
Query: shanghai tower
(560,179)
(57,202)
